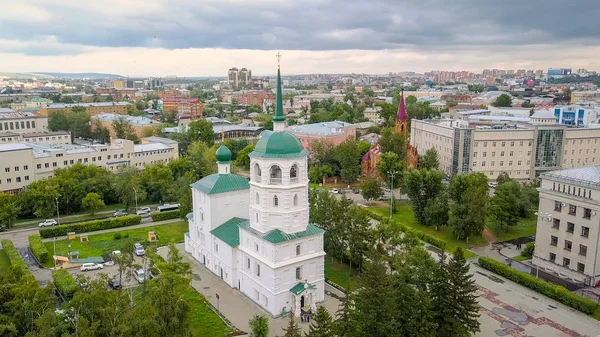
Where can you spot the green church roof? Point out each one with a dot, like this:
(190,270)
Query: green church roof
(300,287)
(277,236)
(278,145)
(223,154)
(221,183)
(229,232)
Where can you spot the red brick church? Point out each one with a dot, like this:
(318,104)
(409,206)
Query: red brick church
(371,158)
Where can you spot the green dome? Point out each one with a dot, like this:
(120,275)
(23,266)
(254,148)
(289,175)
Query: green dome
(223,154)
(278,144)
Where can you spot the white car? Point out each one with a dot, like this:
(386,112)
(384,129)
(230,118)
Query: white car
(48,223)
(91,266)
(140,276)
(143,214)
(493,184)
(335,191)
(139,249)
(145,209)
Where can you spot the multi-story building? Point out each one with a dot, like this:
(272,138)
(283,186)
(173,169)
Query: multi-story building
(32,104)
(254,97)
(50,137)
(186,108)
(233,77)
(118,94)
(576,115)
(22,122)
(91,108)
(568,225)
(139,124)
(523,149)
(335,132)
(241,77)
(586,97)
(23,163)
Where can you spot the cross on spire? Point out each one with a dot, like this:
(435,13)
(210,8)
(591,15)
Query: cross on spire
(278,55)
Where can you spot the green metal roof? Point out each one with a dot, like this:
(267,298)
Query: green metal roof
(223,154)
(221,183)
(300,287)
(277,236)
(278,145)
(229,232)
(279,117)
(91,259)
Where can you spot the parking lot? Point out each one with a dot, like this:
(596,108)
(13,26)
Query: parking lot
(112,270)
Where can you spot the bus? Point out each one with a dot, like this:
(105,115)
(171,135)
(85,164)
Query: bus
(167,207)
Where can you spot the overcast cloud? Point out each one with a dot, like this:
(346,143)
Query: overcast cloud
(354,35)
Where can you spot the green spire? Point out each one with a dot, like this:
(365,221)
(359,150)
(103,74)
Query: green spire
(279,117)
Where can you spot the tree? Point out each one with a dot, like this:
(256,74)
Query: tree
(423,186)
(370,188)
(79,123)
(345,324)
(505,205)
(243,160)
(437,211)
(292,330)
(410,99)
(267,123)
(157,181)
(389,163)
(92,202)
(40,197)
(348,155)
(100,133)
(201,130)
(430,160)
(464,296)
(393,142)
(259,326)
(321,324)
(203,159)
(8,210)
(124,130)
(58,121)
(503,100)
(451,103)
(476,88)
(469,209)
(503,177)
(127,186)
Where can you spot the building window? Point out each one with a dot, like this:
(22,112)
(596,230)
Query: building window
(566,261)
(298,273)
(39,166)
(258,269)
(25,167)
(557,206)
(47,165)
(7,169)
(582,250)
(26,178)
(294,173)
(275,201)
(580,267)
(298,250)
(474,154)
(248,263)
(16,168)
(9,180)
(216,247)
(484,154)
(572,209)
(295,199)
(568,245)
(256,246)
(275,175)
(585,232)
(552,257)
(18,179)
(553,240)
(556,223)
(587,213)
(54,164)
(494,144)
(570,227)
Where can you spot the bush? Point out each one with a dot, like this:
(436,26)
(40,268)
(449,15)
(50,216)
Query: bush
(38,249)
(528,251)
(117,236)
(168,215)
(90,226)
(555,292)
(16,261)
(126,236)
(64,283)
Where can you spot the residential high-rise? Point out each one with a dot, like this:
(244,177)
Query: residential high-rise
(241,77)
(233,77)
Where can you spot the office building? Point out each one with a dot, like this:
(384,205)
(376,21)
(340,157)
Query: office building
(91,108)
(576,115)
(185,108)
(23,163)
(22,122)
(568,225)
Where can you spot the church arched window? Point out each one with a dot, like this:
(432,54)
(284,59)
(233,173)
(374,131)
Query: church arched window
(294,173)
(275,175)
(275,201)
(257,172)
(295,199)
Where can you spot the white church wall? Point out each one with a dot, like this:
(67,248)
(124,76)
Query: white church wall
(224,206)
(222,256)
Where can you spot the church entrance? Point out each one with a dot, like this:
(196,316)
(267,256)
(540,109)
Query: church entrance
(302,301)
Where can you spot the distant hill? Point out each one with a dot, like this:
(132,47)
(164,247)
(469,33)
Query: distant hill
(82,75)
(24,76)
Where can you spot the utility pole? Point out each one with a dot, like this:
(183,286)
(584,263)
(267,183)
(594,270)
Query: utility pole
(57,223)
(391,173)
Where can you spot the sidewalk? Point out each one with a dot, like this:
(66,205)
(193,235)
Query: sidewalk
(234,305)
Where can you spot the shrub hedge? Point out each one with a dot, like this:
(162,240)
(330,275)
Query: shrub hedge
(168,215)
(38,249)
(90,226)
(432,240)
(64,283)
(15,258)
(558,293)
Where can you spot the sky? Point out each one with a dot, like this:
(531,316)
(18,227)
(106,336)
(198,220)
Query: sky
(207,37)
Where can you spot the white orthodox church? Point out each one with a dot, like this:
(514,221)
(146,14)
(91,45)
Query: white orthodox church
(255,234)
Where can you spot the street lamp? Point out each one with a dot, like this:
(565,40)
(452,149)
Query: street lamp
(391,173)
(57,223)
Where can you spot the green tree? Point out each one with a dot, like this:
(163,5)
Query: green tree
(503,177)
(127,186)
(8,210)
(389,163)
(393,142)
(370,188)
(348,155)
(410,99)
(259,326)
(40,197)
(201,130)
(157,181)
(464,296)
(503,100)
(79,123)
(437,211)
(92,202)
(267,123)
(345,323)
(451,103)
(505,205)
(100,133)
(292,330)
(423,186)
(469,193)
(124,130)
(430,160)
(58,121)
(243,160)
(321,324)
(203,159)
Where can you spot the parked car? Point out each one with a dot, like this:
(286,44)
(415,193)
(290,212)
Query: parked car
(140,276)
(356,191)
(139,249)
(119,212)
(493,184)
(154,272)
(48,223)
(143,214)
(91,266)
(335,191)
(167,207)
(350,200)
(114,284)
(116,253)
(145,209)
(384,198)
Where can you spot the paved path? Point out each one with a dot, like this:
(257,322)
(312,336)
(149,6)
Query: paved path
(238,308)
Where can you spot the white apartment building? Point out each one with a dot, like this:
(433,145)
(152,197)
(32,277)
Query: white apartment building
(568,226)
(23,163)
(22,122)
(522,149)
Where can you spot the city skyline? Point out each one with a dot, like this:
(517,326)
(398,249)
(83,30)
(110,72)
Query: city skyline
(186,38)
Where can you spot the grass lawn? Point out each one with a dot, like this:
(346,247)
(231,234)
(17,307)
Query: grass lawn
(404,215)
(338,273)
(4,262)
(101,244)
(203,321)
(521,258)
(525,227)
